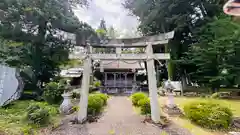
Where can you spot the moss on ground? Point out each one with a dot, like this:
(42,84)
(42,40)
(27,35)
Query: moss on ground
(12,117)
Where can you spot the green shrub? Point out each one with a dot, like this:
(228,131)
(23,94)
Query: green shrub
(95,104)
(52,93)
(104,97)
(53,110)
(37,115)
(219,95)
(97,84)
(208,115)
(145,106)
(137,96)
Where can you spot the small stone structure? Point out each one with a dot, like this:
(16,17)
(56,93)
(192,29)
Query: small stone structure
(176,86)
(66,106)
(171,108)
(11,85)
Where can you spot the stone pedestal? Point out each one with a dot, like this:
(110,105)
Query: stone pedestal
(171,108)
(66,106)
(170,102)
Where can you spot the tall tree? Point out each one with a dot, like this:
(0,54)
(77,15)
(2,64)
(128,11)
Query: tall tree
(36,24)
(182,16)
(214,58)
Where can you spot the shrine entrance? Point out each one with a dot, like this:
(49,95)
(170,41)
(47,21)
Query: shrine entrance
(120,81)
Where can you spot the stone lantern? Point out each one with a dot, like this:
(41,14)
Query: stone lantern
(66,106)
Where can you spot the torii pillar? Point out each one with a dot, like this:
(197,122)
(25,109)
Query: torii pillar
(152,85)
(83,105)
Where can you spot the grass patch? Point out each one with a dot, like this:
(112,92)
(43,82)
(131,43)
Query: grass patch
(12,117)
(232,104)
(195,129)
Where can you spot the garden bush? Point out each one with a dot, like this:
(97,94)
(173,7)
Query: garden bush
(97,84)
(95,104)
(137,96)
(145,106)
(208,114)
(37,115)
(52,93)
(104,97)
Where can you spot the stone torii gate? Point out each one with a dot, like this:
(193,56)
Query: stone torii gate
(145,42)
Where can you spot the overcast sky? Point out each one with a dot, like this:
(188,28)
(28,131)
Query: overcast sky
(113,13)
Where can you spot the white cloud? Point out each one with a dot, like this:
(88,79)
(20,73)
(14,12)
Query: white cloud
(112,11)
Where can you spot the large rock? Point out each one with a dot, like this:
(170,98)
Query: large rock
(11,85)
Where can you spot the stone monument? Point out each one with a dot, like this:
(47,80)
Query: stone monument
(11,85)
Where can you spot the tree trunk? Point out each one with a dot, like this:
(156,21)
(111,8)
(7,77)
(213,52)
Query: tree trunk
(38,47)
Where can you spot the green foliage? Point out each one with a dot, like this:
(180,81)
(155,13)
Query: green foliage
(12,120)
(95,104)
(214,57)
(28,130)
(182,16)
(97,84)
(145,106)
(138,96)
(208,114)
(104,97)
(76,95)
(31,43)
(37,115)
(52,93)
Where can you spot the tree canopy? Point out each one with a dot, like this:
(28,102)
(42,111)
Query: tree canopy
(205,45)
(34,36)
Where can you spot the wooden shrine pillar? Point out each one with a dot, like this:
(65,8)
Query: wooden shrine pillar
(152,85)
(82,114)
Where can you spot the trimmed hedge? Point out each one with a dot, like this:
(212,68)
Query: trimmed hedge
(145,106)
(137,96)
(104,97)
(208,114)
(96,102)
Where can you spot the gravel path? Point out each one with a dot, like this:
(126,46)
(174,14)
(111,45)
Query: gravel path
(118,119)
